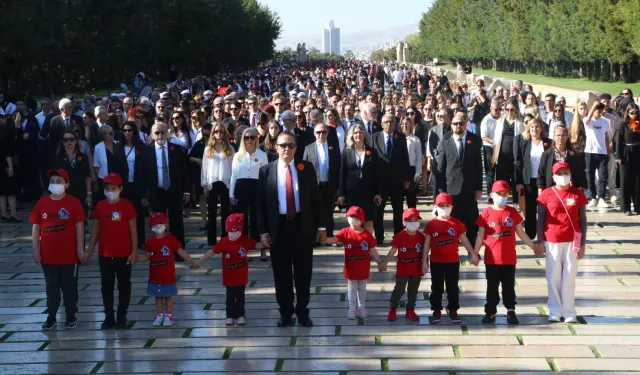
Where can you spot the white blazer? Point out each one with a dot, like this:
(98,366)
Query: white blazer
(518,128)
(415,153)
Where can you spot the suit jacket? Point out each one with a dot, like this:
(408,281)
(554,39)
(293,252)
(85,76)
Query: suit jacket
(376,128)
(120,152)
(54,127)
(436,135)
(395,168)
(303,139)
(522,149)
(545,173)
(311,155)
(456,175)
(147,184)
(350,174)
(268,210)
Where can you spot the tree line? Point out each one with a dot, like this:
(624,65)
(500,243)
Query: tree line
(57,46)
(595,39)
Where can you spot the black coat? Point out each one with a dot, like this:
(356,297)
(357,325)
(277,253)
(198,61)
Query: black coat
(522,149)
(311,155)
(54,127)
(77,175)
(545,173)
(395,168)
(179,178)
(457,175)
(350,174)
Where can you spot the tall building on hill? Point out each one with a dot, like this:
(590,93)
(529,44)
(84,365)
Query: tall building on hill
(331,39)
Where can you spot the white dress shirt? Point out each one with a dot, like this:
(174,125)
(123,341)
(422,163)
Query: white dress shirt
(247,166)
(216,168)
(282,186)
(415,153)
(341,134)
(130,154)
(159,161)
(455,138)
(322,151)
(535,154)
(488,129)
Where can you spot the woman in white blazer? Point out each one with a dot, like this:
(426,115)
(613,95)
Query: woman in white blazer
(415,159)
(507,128)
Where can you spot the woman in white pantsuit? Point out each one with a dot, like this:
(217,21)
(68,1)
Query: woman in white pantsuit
(562,228)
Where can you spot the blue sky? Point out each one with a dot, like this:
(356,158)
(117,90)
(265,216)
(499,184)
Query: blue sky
(309,17)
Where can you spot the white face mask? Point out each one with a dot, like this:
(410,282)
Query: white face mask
(161,141)
(234,235)
(413,226)
(159,229)
(112,196)
(354,222)
(563,180)
(56,189)
(499,200)
(443,212)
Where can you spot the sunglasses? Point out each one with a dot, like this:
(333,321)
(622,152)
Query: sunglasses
(458,123)
(511,109)
(323,132)
(289,145)
(234,108)
(160,132)
(67,140)
(626,93)
(176,118)
(217,111)
(127,130)
(633,113)
(409,113)
(250,138)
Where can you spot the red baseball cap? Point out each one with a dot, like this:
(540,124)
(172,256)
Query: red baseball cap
(500,185)
(357,212)
(156,218)
(410,213)
(560,165)
(113,179)
(60,172)
(444,198)
(234,223)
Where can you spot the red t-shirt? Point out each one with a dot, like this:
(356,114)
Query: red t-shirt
(162,267)
(357,258)
(57,220)
(235,264)
(557,227)
(409,253)
(499,234)
(444,239)
(114,237)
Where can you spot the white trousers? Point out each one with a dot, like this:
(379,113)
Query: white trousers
(562,268)
(357,293)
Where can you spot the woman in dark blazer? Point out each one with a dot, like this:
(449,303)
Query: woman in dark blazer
(627,144)
(76,163)
(561,150)
(360,184)
(529,147)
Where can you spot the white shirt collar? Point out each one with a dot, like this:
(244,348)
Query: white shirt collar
(281,164)
(456,137)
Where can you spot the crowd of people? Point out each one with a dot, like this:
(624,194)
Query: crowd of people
(281,150)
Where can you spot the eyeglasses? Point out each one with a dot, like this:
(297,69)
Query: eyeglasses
(67,140)
(160,132)
(626,93)
(218,132)
(458,123)
(289,145)
(127,130)
(511,109)
(633,113)
(176,118)
(234,109)
(322,132)
(250,138)
(217,111)
(410,113)
(558,110)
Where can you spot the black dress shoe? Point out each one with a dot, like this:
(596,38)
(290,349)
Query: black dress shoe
(284,322)
(305,323)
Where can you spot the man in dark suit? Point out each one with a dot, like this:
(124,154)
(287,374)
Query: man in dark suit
(54,126)
(290,222)
(394,166)
(165,182)
(303,137)
(369,115)
(439,132)
(459,164)
(326,161)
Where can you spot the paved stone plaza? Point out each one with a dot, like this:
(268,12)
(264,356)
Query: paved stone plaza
(606,340)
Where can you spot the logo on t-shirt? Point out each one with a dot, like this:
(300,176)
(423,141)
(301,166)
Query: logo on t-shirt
(165,251)
(451,232)
(64,214)
(44,216)
(571,201)
(508,222)
(115,216)
(418,248)
(242,252)
(403,249)
(227,256)
(364,245)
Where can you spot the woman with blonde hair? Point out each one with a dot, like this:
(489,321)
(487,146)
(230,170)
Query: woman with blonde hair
(578,135)
(332,119)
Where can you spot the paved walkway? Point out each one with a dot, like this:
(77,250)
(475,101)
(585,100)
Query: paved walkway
(606,340)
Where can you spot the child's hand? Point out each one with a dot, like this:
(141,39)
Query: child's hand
(425,268)
(382,266)
(474,259)
(195,265)
(539,249)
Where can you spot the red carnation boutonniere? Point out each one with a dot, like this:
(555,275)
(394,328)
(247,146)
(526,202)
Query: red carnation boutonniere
(137,153)
(300,167)
(171,148)
(546,144)
(395,136)
(232,141)
(330,148)
(255,160)
(468,141)
(375,126)
(79,158)
(368,153)
(571,153)
(73,121)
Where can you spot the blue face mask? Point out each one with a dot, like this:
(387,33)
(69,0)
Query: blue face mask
(499,200)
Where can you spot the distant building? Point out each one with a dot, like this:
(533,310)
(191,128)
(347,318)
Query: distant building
(331,39)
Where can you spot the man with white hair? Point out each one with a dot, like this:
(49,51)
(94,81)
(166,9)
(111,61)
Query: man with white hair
(54,126)
(369,114)
(101,115)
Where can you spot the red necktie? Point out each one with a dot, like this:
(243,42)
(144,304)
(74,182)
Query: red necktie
(291,200)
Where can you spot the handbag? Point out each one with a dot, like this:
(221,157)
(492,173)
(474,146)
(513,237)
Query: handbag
(577,235)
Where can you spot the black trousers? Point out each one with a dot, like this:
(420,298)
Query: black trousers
(489,170)
(166,201)
(245,193)
(218,193)
(465,209)
(395,194)
(110,270)
(531,205)
(411,284)
(412,197)
(235,301)
(292,250)
(497,274)
(506,170)
(442,273)
(61,277)
(599,162)
(629,186)
(130,194)
(328,200)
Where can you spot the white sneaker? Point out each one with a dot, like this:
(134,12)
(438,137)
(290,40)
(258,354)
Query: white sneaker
(593,203)
(158,320)
(554,319)
(228,322)
(362,312)
(351,315)
(614,200)
(603,204)
(168,320)
(570,319)
(241,321)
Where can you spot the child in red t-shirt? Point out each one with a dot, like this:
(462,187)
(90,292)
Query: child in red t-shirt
(58,245)
(160,250)
(114,228)
(359,245)
(408,243)
(441,253)
(235,266)
(497,228)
